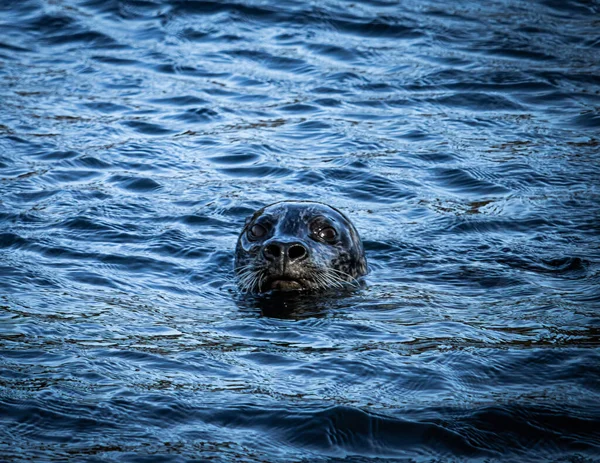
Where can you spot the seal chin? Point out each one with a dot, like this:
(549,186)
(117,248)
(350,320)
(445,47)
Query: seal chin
(286,285)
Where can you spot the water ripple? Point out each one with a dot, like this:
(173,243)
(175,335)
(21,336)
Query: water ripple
(462,140)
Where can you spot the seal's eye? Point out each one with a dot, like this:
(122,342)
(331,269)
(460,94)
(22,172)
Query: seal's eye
(256,231)
(327,234)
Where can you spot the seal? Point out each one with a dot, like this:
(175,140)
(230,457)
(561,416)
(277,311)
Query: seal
(298,246)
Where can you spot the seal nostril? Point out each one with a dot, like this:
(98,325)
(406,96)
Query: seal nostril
(272,251)
(297,251)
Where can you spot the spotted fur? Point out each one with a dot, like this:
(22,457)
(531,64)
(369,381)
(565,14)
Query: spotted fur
(327,264)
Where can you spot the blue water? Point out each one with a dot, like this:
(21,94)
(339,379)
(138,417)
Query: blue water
(462,139)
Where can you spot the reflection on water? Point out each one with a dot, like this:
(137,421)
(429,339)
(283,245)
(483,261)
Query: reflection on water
(296,305)
(463,142)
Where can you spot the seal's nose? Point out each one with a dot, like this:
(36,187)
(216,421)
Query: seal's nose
(293,252)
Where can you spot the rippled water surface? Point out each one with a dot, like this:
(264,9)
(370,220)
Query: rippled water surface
(463,140)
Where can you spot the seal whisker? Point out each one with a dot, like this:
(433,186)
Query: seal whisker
(350,279)
(248,277)
(244,268)
(258,281)
(336,276)
(320,280)
(337,281)
(327,279)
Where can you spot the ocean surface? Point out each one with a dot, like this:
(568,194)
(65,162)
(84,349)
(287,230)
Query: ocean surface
(461,138)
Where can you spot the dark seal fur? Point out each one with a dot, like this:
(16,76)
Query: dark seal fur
(298,246)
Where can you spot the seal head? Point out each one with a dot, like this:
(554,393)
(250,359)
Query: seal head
(298,246)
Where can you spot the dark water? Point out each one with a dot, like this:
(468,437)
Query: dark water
(463,139)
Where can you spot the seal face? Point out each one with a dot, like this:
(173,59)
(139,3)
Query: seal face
(298,246)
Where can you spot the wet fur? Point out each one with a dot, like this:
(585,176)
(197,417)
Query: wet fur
(337,265)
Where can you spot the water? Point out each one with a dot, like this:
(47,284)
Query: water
(464,142)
